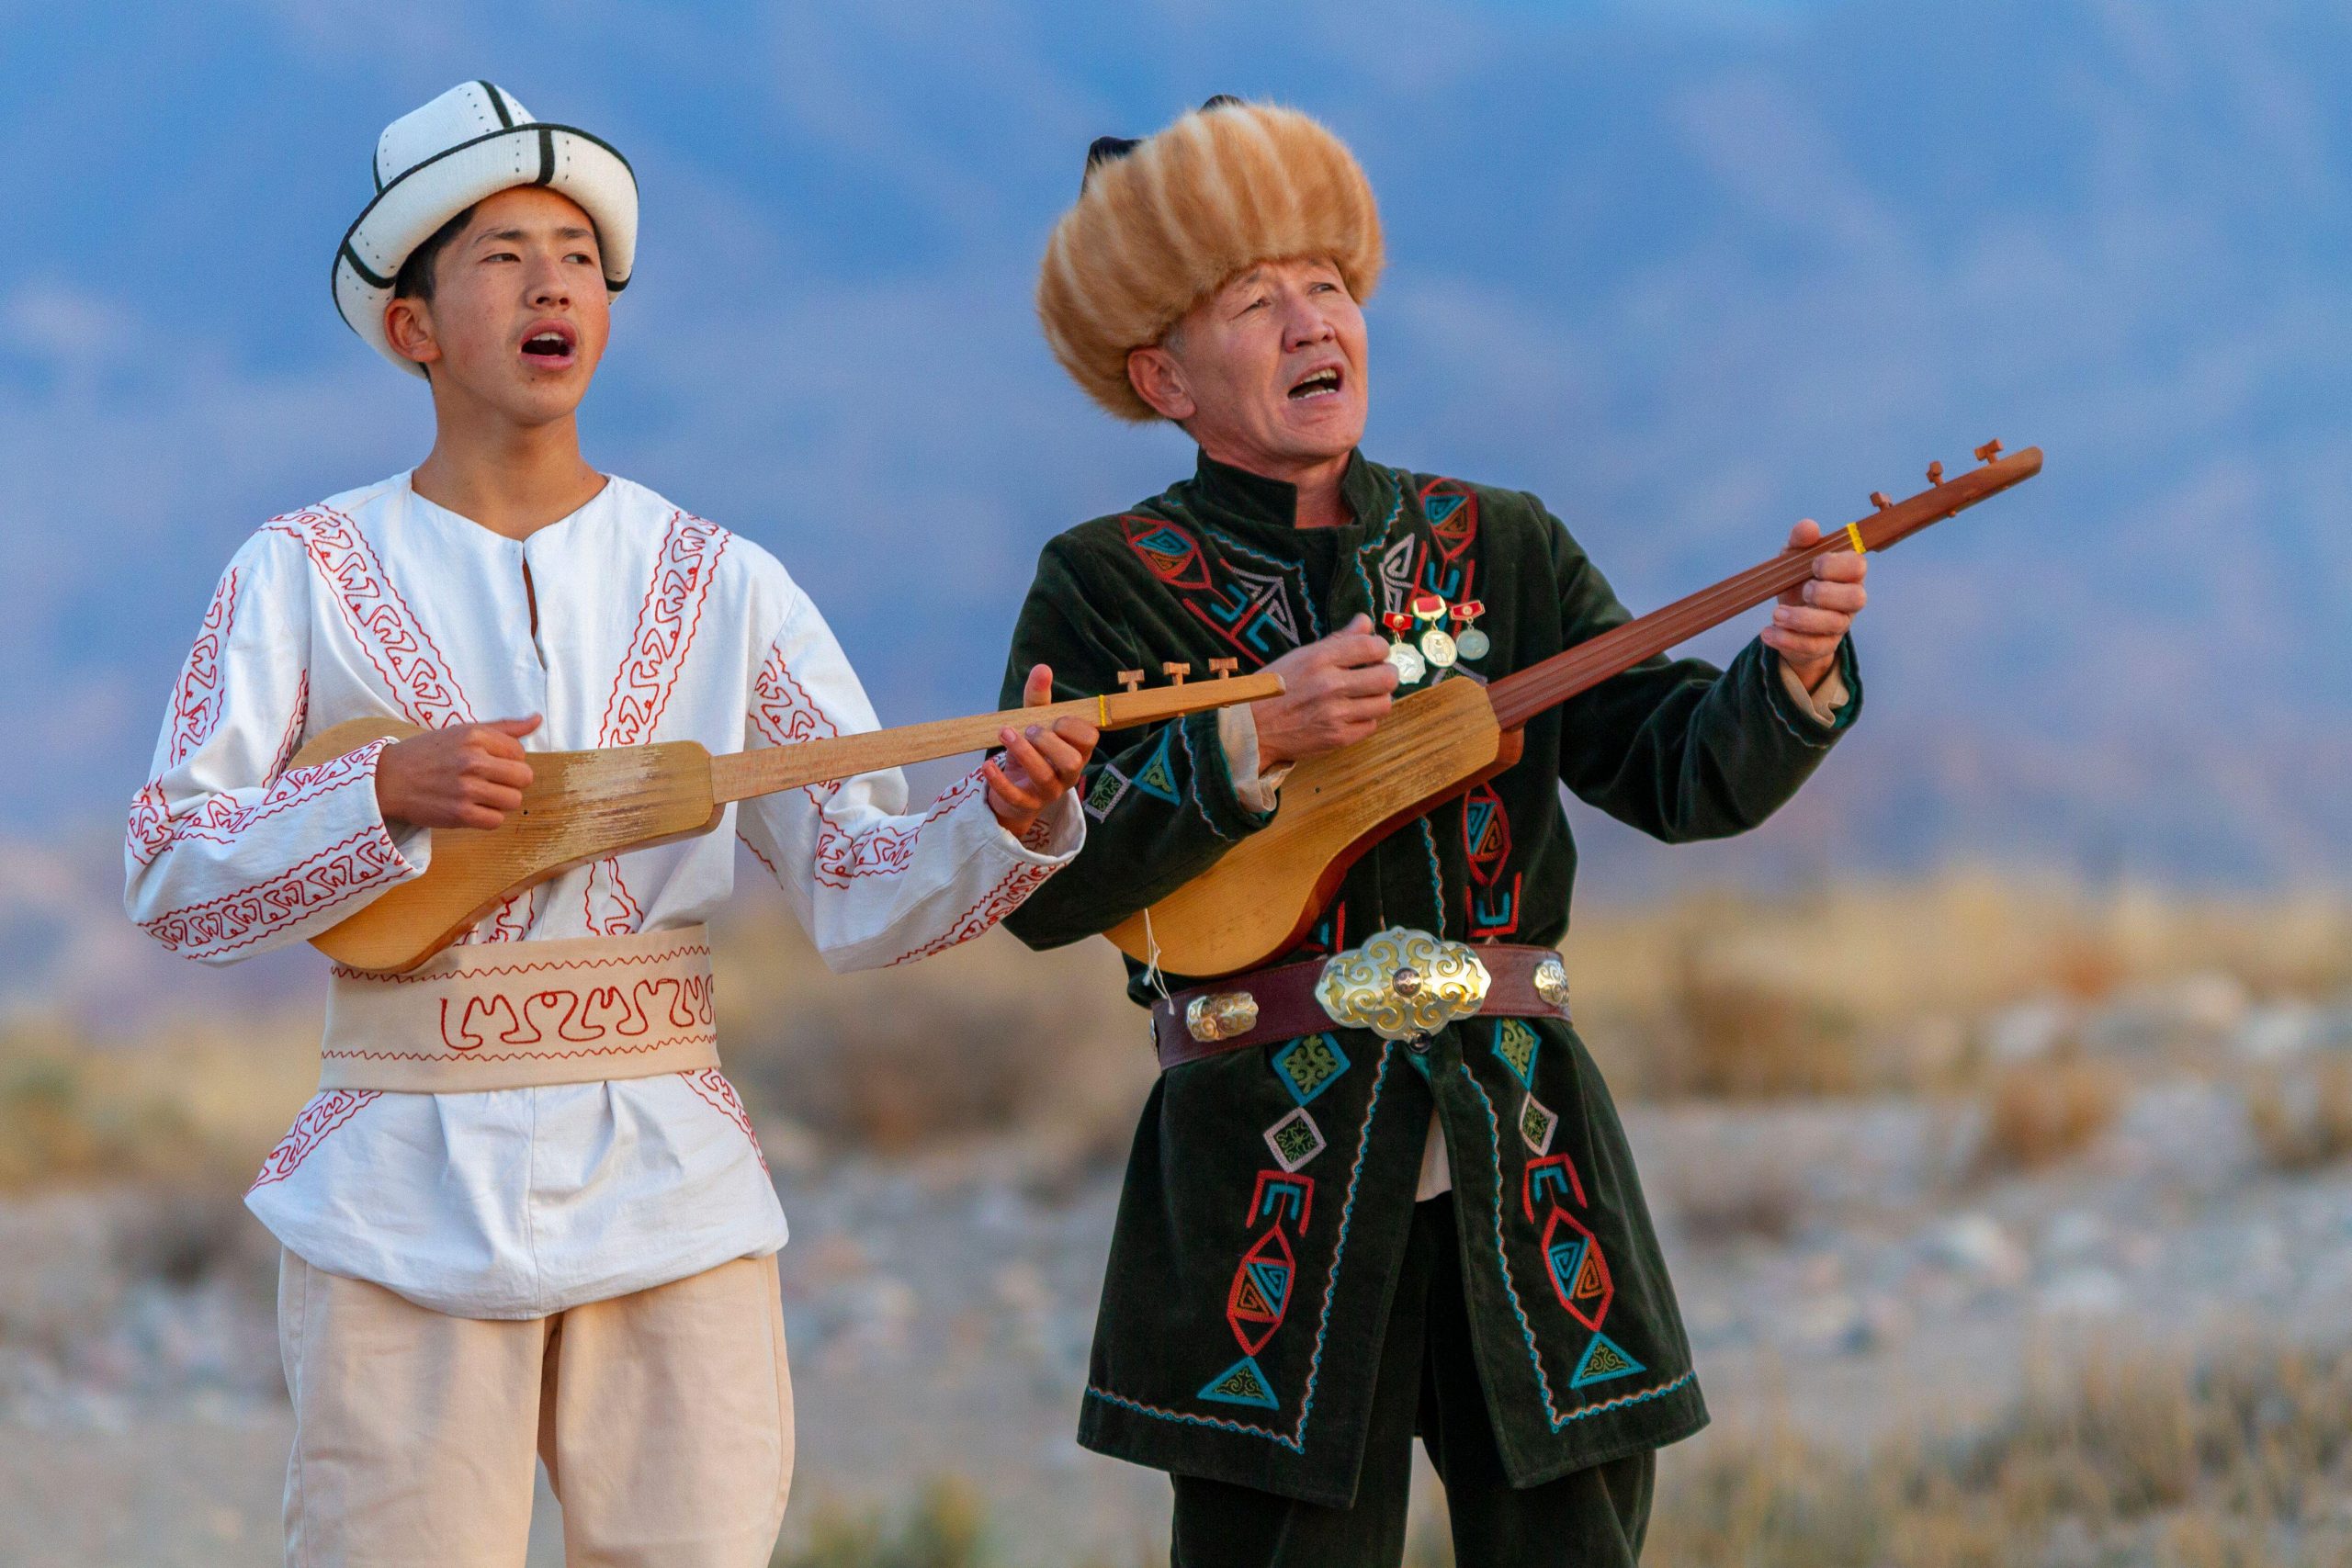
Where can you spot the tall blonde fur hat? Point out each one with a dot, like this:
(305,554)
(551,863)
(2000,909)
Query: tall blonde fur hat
(1163,222)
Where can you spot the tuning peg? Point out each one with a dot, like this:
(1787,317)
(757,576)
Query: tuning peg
(1990,450)
(1935,473)
(1879,499)
(1131,679)
(1223,668)
(1175,673)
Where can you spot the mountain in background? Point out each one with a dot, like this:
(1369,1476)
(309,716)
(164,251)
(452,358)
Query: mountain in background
(1686,271)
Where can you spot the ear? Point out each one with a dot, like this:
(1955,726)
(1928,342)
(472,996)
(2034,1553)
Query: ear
(407,327)
(1159,380)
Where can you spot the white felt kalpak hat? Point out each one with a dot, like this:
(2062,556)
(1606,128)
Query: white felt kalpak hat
(468,144)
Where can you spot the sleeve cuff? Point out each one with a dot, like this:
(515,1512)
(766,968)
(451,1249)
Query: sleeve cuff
(1215,793)
(1821,705)
(1816,719)
(1052,841)
(413,843)
(1257,789)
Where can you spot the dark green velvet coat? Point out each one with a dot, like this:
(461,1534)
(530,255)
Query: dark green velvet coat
(1271,1189)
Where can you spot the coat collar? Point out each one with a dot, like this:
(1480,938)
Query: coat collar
(1267,508)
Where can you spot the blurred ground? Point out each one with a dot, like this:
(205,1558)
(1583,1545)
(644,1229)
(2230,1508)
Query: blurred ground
(2012,1225)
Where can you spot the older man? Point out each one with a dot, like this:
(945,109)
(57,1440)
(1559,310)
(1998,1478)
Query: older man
(1329,1243)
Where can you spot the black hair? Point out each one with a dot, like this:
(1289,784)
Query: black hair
(414,279)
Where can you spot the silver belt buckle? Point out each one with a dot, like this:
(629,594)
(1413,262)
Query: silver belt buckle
(1403,984)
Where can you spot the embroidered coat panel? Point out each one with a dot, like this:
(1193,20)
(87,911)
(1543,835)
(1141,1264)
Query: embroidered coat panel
(1271,1189)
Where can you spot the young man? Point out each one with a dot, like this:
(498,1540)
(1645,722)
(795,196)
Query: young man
(528,1213)
(1332,1241)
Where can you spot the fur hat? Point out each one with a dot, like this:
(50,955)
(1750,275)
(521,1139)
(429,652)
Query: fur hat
(1162,223)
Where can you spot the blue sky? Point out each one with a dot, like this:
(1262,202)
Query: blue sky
(1686,271)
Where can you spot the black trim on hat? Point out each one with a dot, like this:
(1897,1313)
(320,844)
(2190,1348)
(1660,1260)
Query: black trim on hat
(1106,150)
(1110,149)
(366,277)
(497,104)
(547,131)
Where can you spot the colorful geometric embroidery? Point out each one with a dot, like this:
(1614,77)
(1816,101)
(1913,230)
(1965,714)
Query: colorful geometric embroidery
(1553,1176)
(1328,934)
(1260,1290)
(1109,788)
(1281,1195)
(1451,509)
(1490,903)
(1294,1140)
(1396,574)
(1310,1064)
(1537,1124)
(1251,612)
(1241,1383)
(1515,1043)
(1294,1441)
(1157,778)
(1603,1359)
(1579,1273)
(1172,554)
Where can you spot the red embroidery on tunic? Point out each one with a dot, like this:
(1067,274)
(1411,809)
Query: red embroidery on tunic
(885,850)
(1006,897)
(712,1086)
(237,919)
(196,710)
(666,623)
(320,1117)
(390,634)
(221,820)
(785,714)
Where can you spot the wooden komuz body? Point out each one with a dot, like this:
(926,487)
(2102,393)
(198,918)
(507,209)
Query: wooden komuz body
(579,807)
(582,806)
(1267,892)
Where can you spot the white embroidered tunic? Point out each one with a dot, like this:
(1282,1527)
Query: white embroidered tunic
(652,624)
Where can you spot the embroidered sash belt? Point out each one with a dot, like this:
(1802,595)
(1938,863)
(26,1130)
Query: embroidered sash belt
(1402,985)
(516,1014)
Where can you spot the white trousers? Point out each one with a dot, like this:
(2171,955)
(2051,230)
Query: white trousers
(664,1417)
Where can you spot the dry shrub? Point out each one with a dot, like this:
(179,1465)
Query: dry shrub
(2301,1115)
(69,1114)
(1766,994)
(2038,1114)
(987,1037)
(2138,1458)
(943,1527)
(1746,1039)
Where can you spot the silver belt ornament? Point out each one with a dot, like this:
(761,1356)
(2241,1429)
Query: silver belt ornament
(1401,983)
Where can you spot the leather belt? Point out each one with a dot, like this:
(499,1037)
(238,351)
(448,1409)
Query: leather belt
(1401,985)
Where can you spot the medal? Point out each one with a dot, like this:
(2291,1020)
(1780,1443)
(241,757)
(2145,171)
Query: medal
(1410,666)
(1437,643)
(1469,640)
